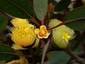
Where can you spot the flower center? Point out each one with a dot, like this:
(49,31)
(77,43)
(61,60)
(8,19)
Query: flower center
(66,37)
(42,32)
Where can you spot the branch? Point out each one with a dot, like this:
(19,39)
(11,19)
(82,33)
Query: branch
(44,51)
(66,22)
(6,14)
(75,56)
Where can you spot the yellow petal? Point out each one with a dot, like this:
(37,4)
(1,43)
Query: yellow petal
(43,32)
(17,47)
(37,31)
(19,22)
(42,27)
(54,22)
(23,37)
(36,42)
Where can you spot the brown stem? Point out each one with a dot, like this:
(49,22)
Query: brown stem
(56,26)
(11,53)
(76,57)
(34,21)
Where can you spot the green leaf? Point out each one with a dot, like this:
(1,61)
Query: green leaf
(7,53)
(3,23)
(62,5)
(15,9)
(57,57)
(7,57)
(76,13)
(26,5)
(77,25)
(40,8)
(5,48)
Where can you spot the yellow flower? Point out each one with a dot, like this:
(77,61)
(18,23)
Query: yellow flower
(22,34)
(42,32)
(61,34)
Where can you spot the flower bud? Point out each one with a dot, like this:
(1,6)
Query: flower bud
(61,34)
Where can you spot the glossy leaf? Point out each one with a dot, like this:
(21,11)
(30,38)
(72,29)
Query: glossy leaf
(56,57)
(62,5)
(26,5)
(77,25)
(3,23)
(7,57)
(15,9)
(6,53)
(5,48)
(76,13)
(40,8)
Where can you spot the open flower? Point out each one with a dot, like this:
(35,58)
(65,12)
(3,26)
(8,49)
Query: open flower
(22,33)
(61,34)
(42,32)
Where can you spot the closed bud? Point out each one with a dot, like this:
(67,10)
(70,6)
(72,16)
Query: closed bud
(61,34)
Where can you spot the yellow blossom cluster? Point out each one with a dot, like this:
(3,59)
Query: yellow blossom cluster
(24,34)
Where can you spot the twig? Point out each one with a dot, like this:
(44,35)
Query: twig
(56,26)
(34,21)
(66,22)
(76,57)
(6,14)
(77,19)
(44,51)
